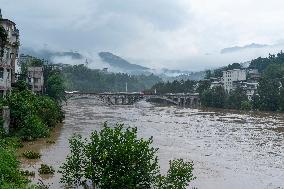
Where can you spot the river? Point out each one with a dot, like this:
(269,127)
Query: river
(230,149)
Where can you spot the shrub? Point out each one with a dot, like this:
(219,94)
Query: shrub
(12,142)
(45,169)
(50,142)
(48,110)
(246,105)
(9,169)
(116,158)
(34,128)
(28,173)
(31,155)
(31,115)
(178,176)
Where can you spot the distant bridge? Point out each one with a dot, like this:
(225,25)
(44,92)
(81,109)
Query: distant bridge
(180,99)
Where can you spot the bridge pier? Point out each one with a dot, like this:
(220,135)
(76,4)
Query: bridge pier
(191,100)
(122,101)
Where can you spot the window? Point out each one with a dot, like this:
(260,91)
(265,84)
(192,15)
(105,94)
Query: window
(1,73)
(36,80)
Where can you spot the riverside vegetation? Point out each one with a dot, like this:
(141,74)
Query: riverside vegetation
(32,117)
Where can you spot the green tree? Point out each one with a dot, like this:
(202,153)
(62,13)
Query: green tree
(10,176)
(207,98)
(116,158)
(55,87)
(246,105)
(235,98)
(31,115)
(208,74)
(202,86)
(282,99)
(214,97)
(269,94)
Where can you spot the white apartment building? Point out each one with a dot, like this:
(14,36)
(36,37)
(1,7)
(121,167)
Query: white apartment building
(10,55)
(36,79)
(231,76)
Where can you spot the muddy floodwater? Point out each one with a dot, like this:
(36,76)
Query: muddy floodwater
(232,150)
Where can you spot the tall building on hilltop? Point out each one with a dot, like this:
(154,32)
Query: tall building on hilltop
(9,48)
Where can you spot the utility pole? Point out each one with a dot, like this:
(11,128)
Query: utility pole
(126,87)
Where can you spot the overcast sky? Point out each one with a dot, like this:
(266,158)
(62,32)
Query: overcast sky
(183,34)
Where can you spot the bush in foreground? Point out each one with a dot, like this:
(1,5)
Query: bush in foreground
(116,158)
(9,169)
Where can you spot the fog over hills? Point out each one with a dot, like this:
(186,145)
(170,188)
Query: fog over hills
(238,48)
(120,63)
(111,61)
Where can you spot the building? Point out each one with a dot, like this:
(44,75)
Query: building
(36,79)
(232,76)
(215,82)
(253,75)
(251,89)
(9,55)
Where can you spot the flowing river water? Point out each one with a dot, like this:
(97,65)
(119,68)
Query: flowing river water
(230,149)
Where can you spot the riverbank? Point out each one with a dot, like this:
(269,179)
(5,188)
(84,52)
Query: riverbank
(229,149)
(39,146)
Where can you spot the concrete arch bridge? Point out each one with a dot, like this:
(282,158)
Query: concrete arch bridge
(189,100)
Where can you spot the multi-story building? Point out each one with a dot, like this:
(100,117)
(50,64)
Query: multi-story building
(36,79)
(215,82)
(9,55)
(232,76)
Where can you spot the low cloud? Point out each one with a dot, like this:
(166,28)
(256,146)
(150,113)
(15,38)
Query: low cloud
(176,34)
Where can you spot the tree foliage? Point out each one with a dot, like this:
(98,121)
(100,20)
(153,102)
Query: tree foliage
(116,158)
(269,94)
(262,63)
(176,86)
(236,98)
(214,97)
(81,78)
(55,87)
(219,72)
(31,115)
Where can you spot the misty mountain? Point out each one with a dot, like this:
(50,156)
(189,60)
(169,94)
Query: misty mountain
(50,55)
(238,48)
(113,62)
(118,62)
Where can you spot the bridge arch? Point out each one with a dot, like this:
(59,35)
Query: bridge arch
(190,100)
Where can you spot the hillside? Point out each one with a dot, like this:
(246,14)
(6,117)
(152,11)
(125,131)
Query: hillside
(118,62)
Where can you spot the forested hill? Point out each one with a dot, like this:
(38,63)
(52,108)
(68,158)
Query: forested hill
(263,64)
(118,62)
(81,78)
